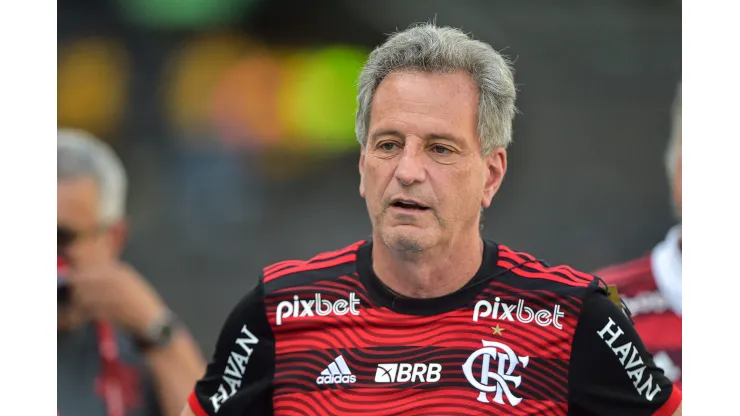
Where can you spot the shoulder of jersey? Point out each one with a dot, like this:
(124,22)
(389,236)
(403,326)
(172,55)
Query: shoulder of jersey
(527,266)
(328,262)
(632,271)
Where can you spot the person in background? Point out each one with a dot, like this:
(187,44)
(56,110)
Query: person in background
(120,350)
(650,286)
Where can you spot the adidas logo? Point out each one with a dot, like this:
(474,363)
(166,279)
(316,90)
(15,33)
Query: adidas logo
(336,372)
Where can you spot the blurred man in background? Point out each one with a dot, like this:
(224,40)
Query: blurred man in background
(651,285)
(120,351)
(428,317)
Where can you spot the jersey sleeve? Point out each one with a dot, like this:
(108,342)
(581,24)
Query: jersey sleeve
(238,378)
(611,372)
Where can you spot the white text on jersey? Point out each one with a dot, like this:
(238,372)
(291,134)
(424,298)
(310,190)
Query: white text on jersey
(235,368)
(337,372)
(321,307)
(631,360)
(405,372)
(501,311)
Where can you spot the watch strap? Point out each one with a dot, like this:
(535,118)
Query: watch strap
(159,333)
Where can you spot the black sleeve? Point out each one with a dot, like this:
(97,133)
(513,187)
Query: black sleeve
(611,371)
(238,379)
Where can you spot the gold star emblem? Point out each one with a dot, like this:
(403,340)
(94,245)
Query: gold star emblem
(497,330)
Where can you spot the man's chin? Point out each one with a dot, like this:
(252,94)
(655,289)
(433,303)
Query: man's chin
(407,239)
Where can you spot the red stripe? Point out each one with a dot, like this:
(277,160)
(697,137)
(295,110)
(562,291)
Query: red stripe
(273,269)
(506,250)
(582,275)
(514,256)
(336,253)
(579,281)
(619,276)
(304,267)
(536,275)
(659,331)
(559,269)
(670,406)
(520,254)
(195,405)
(280,265)
(521,257)
(635,267)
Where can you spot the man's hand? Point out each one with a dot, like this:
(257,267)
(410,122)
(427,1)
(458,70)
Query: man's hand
(115,292)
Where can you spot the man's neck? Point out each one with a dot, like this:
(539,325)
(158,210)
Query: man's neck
(431,273)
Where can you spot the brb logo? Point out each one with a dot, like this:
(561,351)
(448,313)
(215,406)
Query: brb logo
(405,372)
(317,306)
(500,310)
(498,381)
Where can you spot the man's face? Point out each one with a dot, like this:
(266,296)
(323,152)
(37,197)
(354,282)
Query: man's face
(78,213)
(422,173)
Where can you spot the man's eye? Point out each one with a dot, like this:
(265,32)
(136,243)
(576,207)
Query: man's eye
(440,150)
(388,146)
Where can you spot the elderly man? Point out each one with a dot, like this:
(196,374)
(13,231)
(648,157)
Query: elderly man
(120,351)
(651,285)
(427,317)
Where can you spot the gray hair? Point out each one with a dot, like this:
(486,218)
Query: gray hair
(82,155)
(433,49)
(674,145)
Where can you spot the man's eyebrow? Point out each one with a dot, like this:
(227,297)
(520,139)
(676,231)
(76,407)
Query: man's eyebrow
(446,136)
(433,136)
(386,132)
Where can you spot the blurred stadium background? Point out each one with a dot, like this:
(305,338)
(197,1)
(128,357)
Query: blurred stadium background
(235,121)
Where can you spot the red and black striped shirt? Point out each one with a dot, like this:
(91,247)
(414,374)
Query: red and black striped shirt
(657,323)
(326,337)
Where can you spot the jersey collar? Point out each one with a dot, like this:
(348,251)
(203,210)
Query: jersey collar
(382,295)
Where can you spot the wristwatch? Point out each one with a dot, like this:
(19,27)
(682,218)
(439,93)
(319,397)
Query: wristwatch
(159,333)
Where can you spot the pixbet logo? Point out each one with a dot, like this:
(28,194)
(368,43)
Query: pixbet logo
(507,362)
(500,310)
(405,372)
(321,307)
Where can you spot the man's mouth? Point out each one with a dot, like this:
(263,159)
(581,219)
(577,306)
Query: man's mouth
(409,204)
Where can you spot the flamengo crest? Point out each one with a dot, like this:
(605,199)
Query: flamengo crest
(495,381)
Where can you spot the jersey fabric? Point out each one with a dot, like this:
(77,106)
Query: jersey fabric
(327,337)
(651,288)
(79,371)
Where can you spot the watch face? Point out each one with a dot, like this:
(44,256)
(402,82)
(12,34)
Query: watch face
(164,332)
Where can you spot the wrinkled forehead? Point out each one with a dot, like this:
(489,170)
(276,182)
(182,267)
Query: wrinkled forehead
(77,202)
(425,104)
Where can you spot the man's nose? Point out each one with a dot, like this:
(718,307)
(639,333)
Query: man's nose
(410,167)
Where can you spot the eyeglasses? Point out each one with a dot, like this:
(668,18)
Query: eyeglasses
(66,236)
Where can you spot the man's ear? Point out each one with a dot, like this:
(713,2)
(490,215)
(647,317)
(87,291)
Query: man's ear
(117,235)
(495,170)
(361,167)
